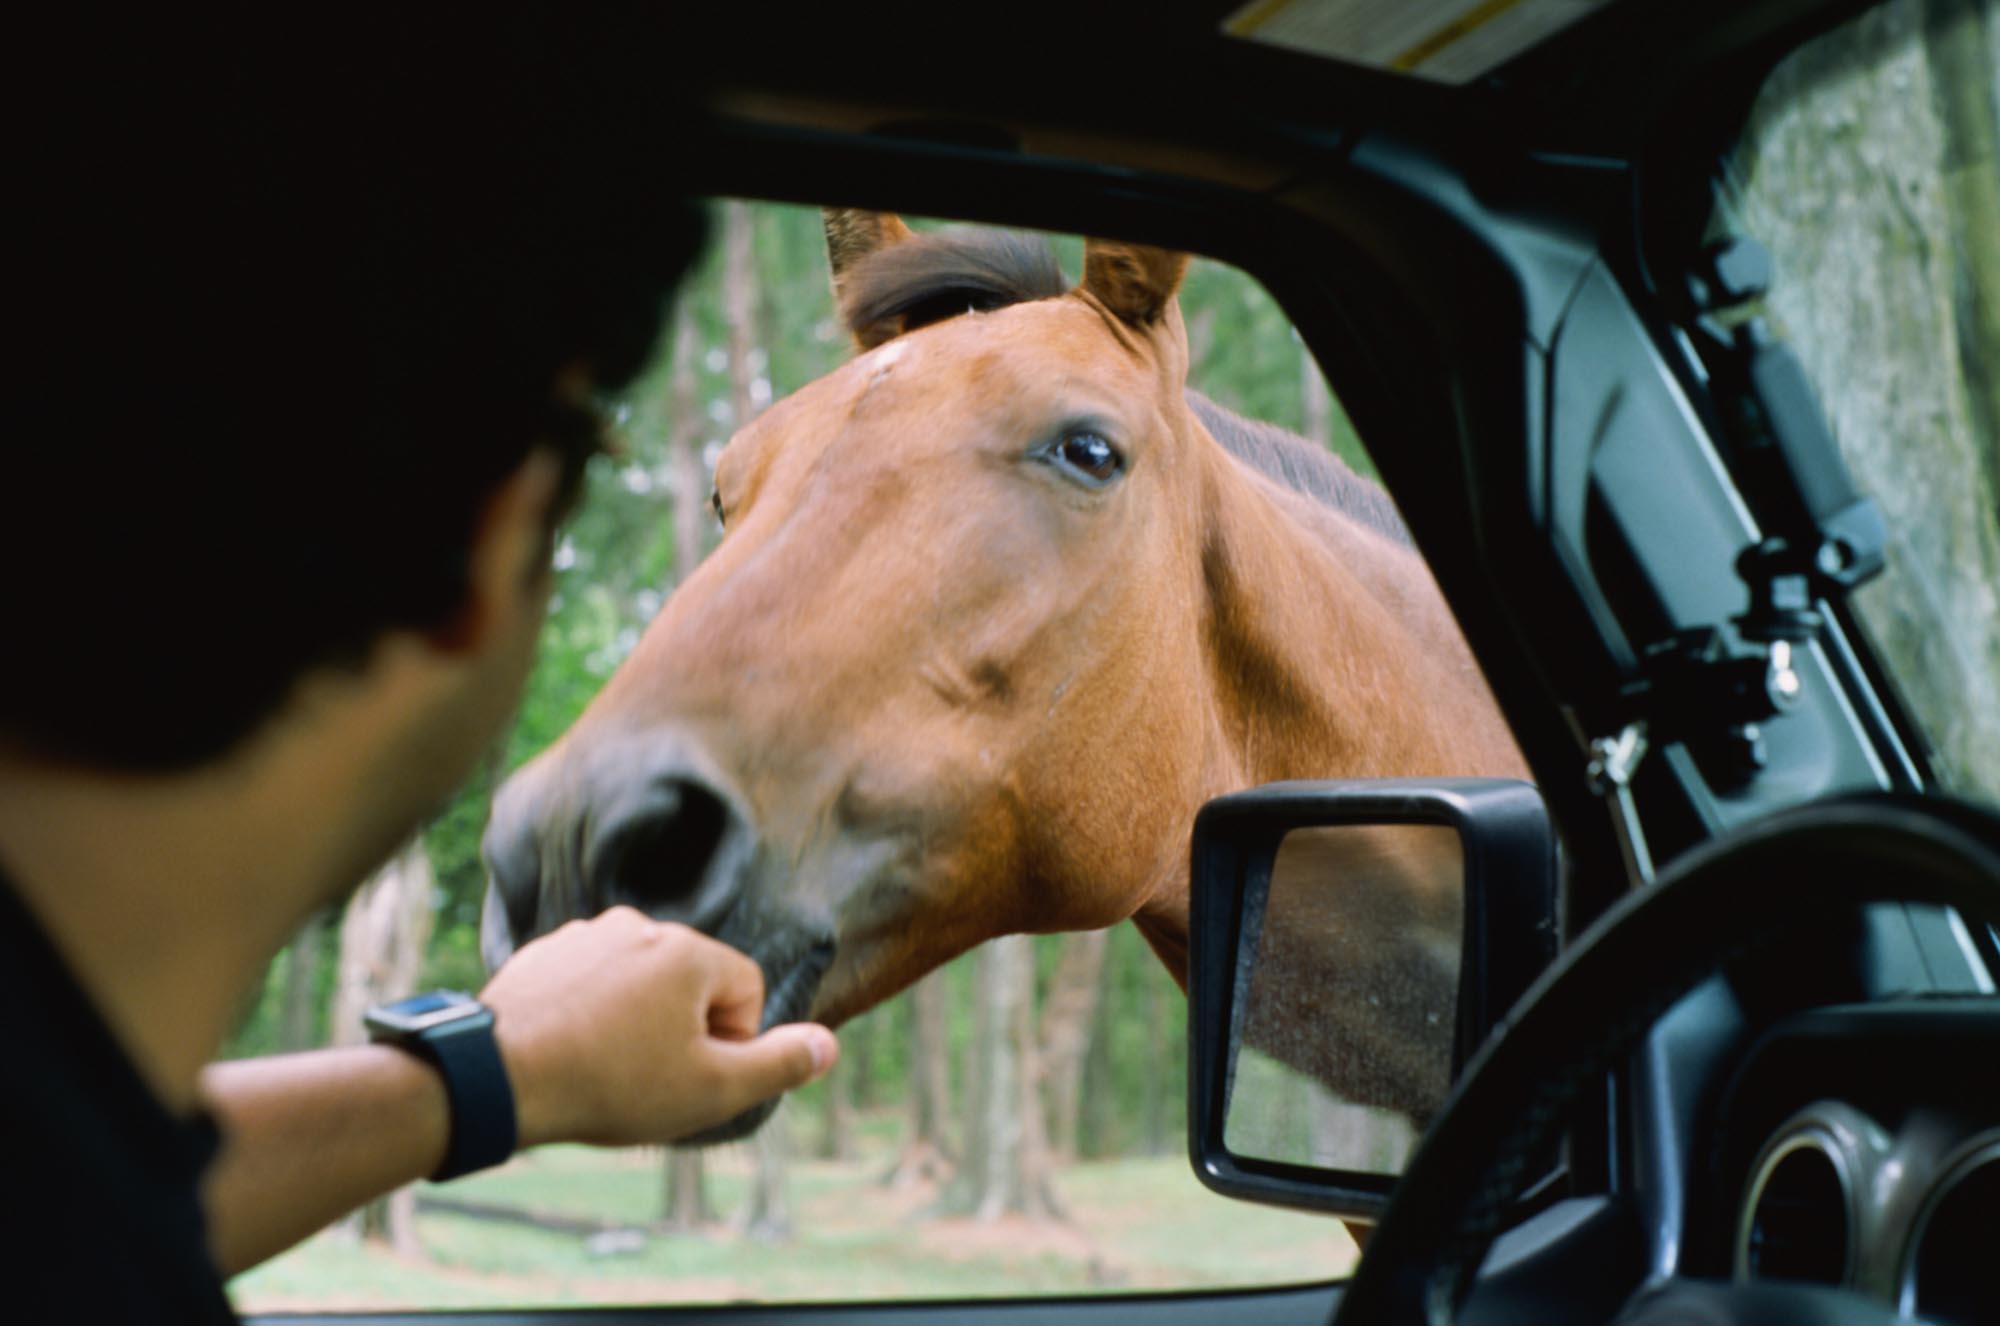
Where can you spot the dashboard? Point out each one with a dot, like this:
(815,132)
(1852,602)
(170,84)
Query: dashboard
(1859,1147)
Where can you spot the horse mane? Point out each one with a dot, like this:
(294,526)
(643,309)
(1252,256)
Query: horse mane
(940,274)
(1301,465)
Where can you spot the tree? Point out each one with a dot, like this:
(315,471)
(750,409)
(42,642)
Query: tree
(860,1039)
(1133,1066)
(1159,1033)
(836,1141)
(298,1025)
(1069,1016)
(689,477)
(851,1087)
(926,1157)
(1315,401)
(1871,171)
(1006,1167)
(383,934)
(686,1204)
(684,1199)
(769,1215)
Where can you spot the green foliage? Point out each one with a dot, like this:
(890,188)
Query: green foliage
(1244,353)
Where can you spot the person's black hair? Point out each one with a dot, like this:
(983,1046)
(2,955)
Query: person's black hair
(286,305)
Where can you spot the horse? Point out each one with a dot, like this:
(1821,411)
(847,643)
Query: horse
(998,605)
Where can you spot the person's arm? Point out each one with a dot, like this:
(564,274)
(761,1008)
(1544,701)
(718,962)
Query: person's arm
(617,1031)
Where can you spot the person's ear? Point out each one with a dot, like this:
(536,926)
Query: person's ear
(506,562)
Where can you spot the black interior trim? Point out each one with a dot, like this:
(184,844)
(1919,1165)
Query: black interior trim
(1253,1307)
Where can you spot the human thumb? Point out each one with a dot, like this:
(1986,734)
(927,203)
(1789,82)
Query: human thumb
(780,1059)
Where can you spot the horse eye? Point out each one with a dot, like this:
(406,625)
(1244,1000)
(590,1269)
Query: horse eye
(715,501)
(1091,456)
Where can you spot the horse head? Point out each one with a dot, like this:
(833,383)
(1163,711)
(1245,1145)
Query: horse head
(925,691)
(992,615)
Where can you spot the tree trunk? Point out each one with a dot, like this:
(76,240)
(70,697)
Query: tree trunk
(1316,402)
(749,390)
(684,1199)
(926,1156)
(1006,1169)
(1159,1053)
(688,475)
(1201,338)
(1963,48)
(836,1139)
(858,1041)
(767,1217)
(298,1024)
(930,1059)
(1100,1125)
(1872,173)
(685,1204)
(383,934)
(1068,1018)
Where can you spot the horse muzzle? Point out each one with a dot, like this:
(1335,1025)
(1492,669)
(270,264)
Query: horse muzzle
(656,832)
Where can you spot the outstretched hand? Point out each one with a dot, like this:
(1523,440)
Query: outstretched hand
(621,1030)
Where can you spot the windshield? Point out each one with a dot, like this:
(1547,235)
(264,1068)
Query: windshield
(1868,169)
(1012,1122)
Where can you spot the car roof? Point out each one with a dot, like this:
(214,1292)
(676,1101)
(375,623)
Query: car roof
(1193,71)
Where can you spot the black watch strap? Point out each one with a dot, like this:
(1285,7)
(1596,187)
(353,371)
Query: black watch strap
(483,1127)
(453,1032)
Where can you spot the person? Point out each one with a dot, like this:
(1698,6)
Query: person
(308,330)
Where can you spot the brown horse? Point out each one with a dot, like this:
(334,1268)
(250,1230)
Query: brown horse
(999,604)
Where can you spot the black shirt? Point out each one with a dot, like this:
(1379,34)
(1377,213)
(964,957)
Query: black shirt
(100,1217)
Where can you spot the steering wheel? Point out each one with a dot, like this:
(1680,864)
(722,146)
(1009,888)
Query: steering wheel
(1592,1006)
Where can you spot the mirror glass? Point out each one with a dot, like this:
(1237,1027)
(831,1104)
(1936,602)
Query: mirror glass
(1347,1008)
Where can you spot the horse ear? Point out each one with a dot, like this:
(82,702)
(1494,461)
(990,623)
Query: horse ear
(1134,281)
(852,234)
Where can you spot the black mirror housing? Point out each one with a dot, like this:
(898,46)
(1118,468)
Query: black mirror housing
(1510,933)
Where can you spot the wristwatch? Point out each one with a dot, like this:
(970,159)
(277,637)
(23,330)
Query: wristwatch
(453,1032)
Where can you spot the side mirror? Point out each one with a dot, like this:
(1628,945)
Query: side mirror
(1352,944)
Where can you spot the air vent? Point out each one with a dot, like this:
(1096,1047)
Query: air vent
(1948,1266)
(1802,1215)
(1799,1225)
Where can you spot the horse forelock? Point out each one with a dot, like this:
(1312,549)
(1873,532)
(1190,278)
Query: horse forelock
(940,274)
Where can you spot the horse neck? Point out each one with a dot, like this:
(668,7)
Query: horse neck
(1330,653)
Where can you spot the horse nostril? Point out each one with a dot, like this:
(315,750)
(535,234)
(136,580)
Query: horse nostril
(673,856)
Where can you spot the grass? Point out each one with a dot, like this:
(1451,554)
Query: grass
(1132,1224)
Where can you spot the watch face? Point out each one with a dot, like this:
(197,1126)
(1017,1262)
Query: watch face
(418,1005)
(421,1012)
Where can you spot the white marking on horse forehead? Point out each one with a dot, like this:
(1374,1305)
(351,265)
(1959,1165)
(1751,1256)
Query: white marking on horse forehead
(877,365)
(883,358)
